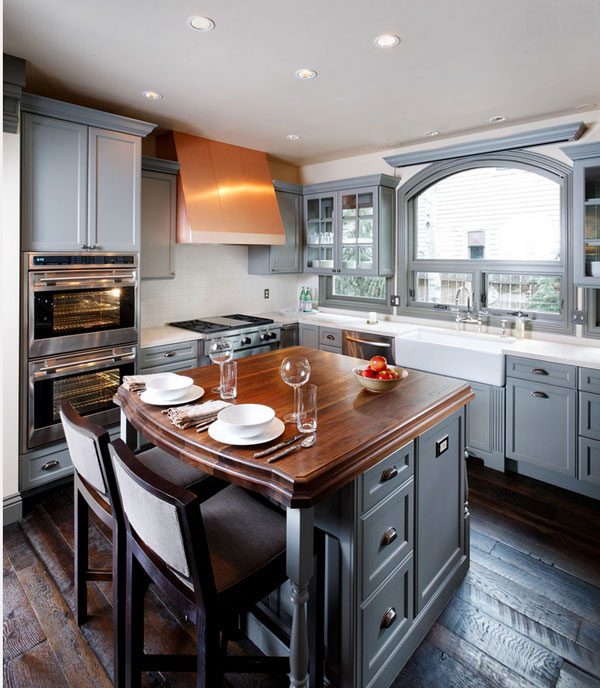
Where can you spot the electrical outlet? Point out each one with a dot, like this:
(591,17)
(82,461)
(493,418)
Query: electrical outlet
(266,293)
(579,317)
(394,300)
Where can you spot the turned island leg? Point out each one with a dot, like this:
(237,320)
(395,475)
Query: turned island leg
(299,571)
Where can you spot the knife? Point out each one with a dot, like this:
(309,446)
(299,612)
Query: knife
(265,452)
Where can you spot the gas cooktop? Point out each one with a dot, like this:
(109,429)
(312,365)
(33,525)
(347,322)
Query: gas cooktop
(222,323)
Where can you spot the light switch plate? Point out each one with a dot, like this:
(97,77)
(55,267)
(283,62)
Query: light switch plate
(579,317)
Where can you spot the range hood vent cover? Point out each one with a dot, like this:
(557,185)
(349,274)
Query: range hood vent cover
(225,194)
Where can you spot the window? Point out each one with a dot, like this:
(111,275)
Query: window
(356,292)
(490,233)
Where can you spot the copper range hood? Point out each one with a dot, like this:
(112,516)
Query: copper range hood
(225,193)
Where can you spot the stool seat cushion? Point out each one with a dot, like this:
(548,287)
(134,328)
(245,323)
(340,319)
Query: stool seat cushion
(170,468)
(243,535)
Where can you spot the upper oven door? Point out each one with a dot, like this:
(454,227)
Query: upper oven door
(83,309)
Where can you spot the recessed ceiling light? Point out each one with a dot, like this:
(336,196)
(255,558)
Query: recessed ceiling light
(152,95)
(305,73)
(584,106)
(293,137)
(433,132)
(201,23)
(496,119)
(387,40)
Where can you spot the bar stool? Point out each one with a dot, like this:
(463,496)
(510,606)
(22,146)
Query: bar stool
(95,489)
(212,555)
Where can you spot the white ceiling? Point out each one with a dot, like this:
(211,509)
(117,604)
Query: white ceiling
(458,64)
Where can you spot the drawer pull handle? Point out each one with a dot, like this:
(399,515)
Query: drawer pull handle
(388,618)
(330,336)
(169,354)
(50,464)
(539,371)
(539,395)
(389,474)
(388,537)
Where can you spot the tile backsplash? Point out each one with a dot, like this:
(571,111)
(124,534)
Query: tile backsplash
(214,280)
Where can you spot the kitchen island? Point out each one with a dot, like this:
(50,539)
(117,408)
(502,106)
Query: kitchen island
(386,483)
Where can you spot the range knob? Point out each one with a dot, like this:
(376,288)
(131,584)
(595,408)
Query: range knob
(263,336)
(272,335)
(246,341)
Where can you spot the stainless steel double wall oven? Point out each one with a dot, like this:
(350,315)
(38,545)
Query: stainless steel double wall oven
(81,331)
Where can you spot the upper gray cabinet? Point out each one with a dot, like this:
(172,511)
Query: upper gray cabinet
(349,226)
(159,218)
(586,213)
(267,260)
(81,183)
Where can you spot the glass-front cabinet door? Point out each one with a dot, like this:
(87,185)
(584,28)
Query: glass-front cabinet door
(586,213)
(320,221)
(357,238)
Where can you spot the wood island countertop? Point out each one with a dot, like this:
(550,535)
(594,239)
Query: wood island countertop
(356,428)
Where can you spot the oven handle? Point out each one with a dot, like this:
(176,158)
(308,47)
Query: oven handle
(113,279)
(383,345)
(83,364)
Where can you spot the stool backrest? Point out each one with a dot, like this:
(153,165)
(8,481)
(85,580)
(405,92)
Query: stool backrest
(87,443)
(162,516)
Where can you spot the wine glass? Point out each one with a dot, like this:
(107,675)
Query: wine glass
(220,351)
(294,371)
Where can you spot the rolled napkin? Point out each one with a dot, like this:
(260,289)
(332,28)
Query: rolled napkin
(137,383)
(191,415)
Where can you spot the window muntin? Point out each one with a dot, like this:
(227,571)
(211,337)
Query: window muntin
(489,213)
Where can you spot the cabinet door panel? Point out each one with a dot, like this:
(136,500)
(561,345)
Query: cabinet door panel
(288,258)
(540,425)
(589,415)
(159,198)
(589,460)
(54,202)
(114,190)
(309,335)
(440,522)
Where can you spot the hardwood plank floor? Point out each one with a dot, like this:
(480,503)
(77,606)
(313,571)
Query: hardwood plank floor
(528,613)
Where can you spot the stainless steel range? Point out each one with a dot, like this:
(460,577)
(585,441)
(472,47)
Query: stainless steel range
(248,334)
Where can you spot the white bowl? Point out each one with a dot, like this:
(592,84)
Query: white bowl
(169,386)
(246,420)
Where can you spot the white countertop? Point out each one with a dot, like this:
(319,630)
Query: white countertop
(578,354)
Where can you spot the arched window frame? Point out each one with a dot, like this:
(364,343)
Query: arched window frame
(408,265)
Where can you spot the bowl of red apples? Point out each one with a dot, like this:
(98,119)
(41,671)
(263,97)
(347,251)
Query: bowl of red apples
(378,376)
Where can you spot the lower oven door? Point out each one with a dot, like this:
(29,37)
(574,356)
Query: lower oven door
(89,380)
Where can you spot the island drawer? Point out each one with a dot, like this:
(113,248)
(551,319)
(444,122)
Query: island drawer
(541,371)
(387,536)
(169,353)
(589,415)
(330,337)
(384,477)
(386,618)
(589,460)
(589,380)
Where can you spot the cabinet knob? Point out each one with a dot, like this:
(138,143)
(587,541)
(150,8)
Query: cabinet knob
(388,618)
(169,354)
(330,336)
(539,371)
(50,464)
(389,536)
(539,395)
(389,474)
(84,247)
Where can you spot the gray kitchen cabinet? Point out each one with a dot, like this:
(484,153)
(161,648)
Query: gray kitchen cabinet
(589,426)
(349,226)
(586,211)
(330,339)
(179,356)
(54,184)
(159,218)
(541,425)
(278,260)
(80,178)
(485,425)
(440,543)
(114,190)
(589,460)
(309,335)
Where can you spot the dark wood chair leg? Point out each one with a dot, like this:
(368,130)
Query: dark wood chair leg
(81,537)
(209,662)
(316,615)
(119,590)
(134,622)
